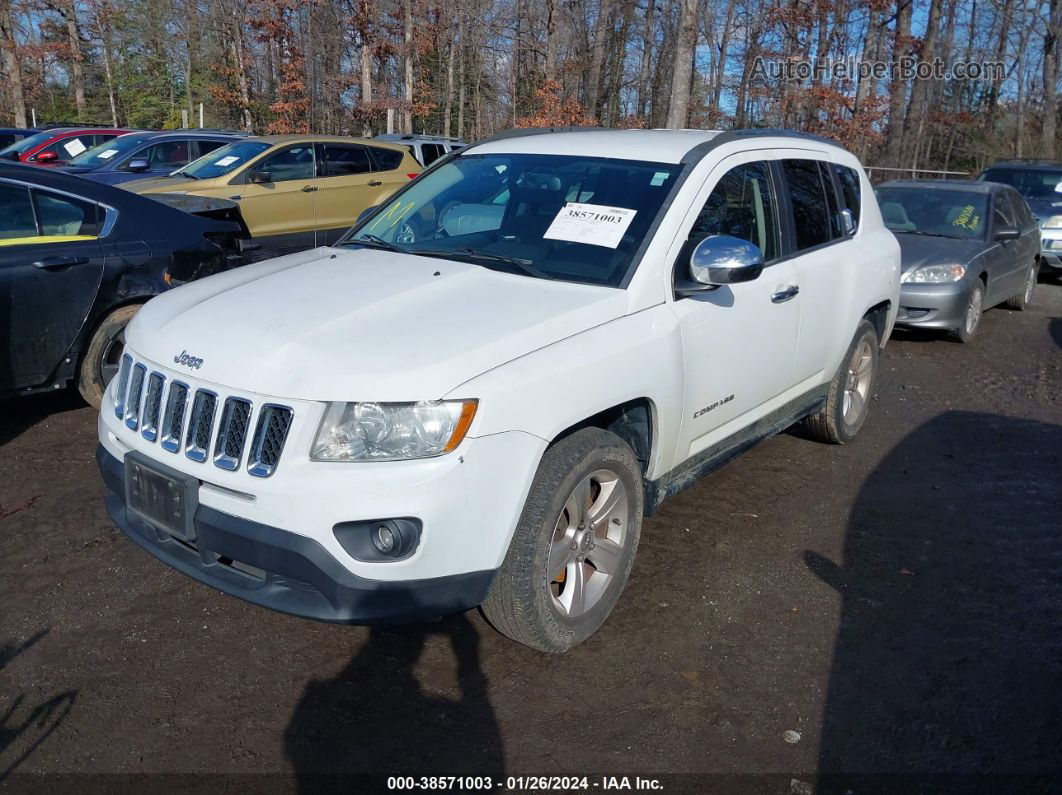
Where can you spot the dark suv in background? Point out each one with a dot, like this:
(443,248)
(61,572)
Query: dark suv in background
(1040,184)
(147,154)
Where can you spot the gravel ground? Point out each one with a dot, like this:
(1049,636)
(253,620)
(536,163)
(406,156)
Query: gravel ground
(829,615)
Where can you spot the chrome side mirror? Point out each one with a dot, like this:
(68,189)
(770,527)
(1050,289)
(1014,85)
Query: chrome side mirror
(719,260)
(848,222)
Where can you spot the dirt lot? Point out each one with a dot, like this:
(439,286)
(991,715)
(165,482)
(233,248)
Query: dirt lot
(896,603)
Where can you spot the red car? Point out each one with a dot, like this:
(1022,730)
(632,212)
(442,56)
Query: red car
(54,146)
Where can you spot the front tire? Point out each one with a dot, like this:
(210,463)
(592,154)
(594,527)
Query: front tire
(971,315)
(103,355)
(574,546)
(848,398)
(1024,298)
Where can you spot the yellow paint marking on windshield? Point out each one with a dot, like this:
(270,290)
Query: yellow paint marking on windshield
(968,218)
(40,239)
(395,213)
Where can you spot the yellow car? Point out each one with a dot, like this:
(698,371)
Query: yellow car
(294,189)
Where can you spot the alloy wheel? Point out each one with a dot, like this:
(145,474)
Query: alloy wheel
(111,359)
(973,311)
(586,549)
(857,385)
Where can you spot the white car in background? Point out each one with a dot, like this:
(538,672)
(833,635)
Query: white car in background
(477,394)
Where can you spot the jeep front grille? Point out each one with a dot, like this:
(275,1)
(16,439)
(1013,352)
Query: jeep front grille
(163,415)
(132,400)
(200,425)
(149,425)
(273,424)
(232,433)
(173,419)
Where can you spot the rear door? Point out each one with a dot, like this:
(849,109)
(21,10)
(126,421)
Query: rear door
(51,264)
(347,186)
(284,208)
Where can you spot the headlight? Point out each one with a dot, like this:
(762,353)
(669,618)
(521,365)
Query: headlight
(935,274)
(391,431)
(1054,222)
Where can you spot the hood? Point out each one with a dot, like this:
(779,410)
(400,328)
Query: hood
(1045,208)
(167,184)
(917,251)
(339,324)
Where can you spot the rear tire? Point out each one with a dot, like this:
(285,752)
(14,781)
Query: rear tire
(1024,298)
(103,355)
(574,546)
(848,398)
(971,314)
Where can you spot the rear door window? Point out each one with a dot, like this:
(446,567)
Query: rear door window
(810,205)
(342,160)
(64,215)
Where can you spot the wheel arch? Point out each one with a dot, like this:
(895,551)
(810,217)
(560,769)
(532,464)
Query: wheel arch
(878,315)
(633,420)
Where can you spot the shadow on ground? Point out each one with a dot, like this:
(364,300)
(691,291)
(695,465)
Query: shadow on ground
(948,660)
(375,718)
(23,727)
(20,414)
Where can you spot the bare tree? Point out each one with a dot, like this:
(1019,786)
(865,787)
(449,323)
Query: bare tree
(11,63)
(685,42)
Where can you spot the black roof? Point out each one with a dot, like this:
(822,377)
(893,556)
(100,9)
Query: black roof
(1031,164)
(967,185)
(60,180)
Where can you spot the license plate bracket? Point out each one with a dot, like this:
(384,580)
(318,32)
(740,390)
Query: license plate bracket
(163,497)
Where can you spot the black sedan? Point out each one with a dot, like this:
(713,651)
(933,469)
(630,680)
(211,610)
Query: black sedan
(78,258)
(965,246)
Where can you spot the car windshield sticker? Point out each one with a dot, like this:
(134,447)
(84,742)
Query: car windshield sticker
(226,161)
(74,146)
(659,178)
(968,218)
(592,224)
(107,155)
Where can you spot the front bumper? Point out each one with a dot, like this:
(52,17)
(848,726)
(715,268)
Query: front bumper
(939,306)
(287,572)
(1051,248)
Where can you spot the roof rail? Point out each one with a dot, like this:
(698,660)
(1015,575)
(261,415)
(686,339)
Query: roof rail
(1029,161)
(772,132)
(220,130)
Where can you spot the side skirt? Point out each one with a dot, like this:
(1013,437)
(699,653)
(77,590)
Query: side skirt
(707,461)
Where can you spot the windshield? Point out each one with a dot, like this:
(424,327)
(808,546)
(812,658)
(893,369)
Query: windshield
(564,217)
(1032,183)
(222,161)
(942,213)
(23,146)
(104,153)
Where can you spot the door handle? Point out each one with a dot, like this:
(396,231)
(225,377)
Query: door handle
(55,263)
(375,183)
(783,295)
(309,188)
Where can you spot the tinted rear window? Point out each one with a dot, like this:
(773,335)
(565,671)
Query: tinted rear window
(386,159)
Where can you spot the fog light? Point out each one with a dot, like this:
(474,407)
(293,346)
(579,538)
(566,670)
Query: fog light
(384,539)
(379,540)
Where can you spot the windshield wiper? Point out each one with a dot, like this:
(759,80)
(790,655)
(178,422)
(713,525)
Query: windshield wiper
(524,265)
(927,234)
(377,242)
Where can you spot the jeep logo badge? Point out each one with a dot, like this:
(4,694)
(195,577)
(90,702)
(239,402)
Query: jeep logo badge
(188,360)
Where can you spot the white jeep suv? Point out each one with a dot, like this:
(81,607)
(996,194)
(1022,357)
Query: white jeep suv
(477,394)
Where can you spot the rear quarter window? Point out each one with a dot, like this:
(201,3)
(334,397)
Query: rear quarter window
(385,159)
(851,192)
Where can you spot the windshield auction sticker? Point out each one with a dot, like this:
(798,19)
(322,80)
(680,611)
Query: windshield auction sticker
(592,224)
